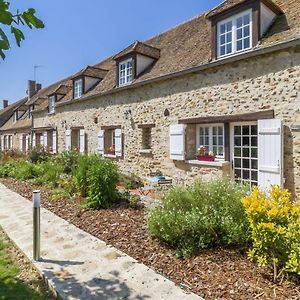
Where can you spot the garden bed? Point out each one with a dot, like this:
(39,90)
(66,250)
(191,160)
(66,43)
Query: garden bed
(212,274)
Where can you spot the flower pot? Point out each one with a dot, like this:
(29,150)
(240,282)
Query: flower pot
(205,157)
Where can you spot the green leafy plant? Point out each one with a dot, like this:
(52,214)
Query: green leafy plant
(134,201)
(275,225)
(69,159)
(102,179)
(12,22)
(38,154)
(204,215)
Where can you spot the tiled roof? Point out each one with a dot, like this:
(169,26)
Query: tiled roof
(141,48)
(7,112)
(62,89)
(22,123)
(91,72)
(185,46)
(229,4)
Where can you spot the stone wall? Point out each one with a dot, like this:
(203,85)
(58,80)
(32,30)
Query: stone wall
(266,82)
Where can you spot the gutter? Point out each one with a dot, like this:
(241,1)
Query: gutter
(216,63)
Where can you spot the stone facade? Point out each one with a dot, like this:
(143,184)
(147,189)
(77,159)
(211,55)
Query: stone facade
(266,82)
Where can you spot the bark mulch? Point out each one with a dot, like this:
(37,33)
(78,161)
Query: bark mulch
(212,274)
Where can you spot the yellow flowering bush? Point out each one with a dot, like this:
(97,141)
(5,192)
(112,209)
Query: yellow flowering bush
(275,223)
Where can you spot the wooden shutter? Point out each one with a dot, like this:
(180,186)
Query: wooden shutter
(101,142)
(54,141)
(81,141)
(21,142)
(33,140)
(118,142)
(68,139)
(270,153)
(2,142)
(26,143)
(45,138)
(177,141)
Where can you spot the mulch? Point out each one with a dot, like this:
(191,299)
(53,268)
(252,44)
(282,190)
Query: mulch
(212,274)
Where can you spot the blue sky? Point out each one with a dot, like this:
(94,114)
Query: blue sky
(80,33)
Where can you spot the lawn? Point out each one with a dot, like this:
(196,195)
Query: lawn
(18,279)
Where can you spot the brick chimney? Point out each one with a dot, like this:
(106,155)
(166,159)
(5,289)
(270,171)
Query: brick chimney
(5,103)
(38,87)
(31,89)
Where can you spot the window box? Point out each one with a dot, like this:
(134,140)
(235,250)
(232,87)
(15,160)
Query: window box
(212,164)
(205,157)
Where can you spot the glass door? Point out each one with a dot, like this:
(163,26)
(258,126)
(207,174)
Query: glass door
(244,153)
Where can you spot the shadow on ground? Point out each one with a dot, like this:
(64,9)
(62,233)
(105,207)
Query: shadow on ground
(96,289)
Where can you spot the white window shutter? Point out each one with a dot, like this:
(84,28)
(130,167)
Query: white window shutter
(33,140)
(2,142)
(270,153)
(118,142)
(45,138)
(81,141)
(27,143)
(21,142)
(177,141)
(54,141)
(101,142)
(68,139)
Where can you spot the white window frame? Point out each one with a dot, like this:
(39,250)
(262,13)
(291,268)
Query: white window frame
(234,33)
(126,72)
(78,86)
(51,105)
(210,126)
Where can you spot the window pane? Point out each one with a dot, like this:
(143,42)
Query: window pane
(246,43)
(229,37)
(247,19)
(239,34)
(237,130)
(247,31)
(237,152)
(246,152)
(254,152)
(222,50)
(229,26)
(239,22)
(246,130)
(228,48)
(237,141)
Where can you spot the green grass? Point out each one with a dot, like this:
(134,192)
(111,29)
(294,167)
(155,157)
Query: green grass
(11,286)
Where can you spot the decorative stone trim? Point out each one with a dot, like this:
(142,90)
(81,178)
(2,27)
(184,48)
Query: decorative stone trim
(145,151)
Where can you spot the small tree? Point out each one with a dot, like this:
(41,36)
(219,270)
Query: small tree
(12,23)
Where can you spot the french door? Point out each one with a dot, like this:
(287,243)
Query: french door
(244,152)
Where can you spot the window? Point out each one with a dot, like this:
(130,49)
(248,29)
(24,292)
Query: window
(146,138)
(125,72)
(235,34)
(212,138)
(77,89)
(15,116)
(51,105)
(31,107)
(110,141)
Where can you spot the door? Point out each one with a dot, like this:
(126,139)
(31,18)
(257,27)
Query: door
(244,145)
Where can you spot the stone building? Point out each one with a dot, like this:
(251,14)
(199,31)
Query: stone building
(227,80)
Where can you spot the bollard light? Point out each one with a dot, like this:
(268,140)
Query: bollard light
(36,199)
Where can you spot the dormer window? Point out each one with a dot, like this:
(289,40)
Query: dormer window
(78,88)
(125,72)
(51,104)
(15,116)
(134,61)
(237,26)
(235,34)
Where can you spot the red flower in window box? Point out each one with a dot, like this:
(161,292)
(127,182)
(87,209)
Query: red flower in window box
(112,150)
(203,154)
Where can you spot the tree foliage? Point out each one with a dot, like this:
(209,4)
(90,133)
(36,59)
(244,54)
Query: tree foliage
(11,23)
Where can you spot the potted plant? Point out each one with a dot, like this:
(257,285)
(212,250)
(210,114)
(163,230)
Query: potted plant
(111,150)
(204,155)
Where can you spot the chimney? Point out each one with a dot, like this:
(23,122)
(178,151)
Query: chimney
(38,87)
(5,103)
(31,88)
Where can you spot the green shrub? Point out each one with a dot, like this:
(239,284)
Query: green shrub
(102,178)
(84,163)
(23,170)
(134,201)
(38,154)
(204,215)
(49,173)
(275,224)
(69,160)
